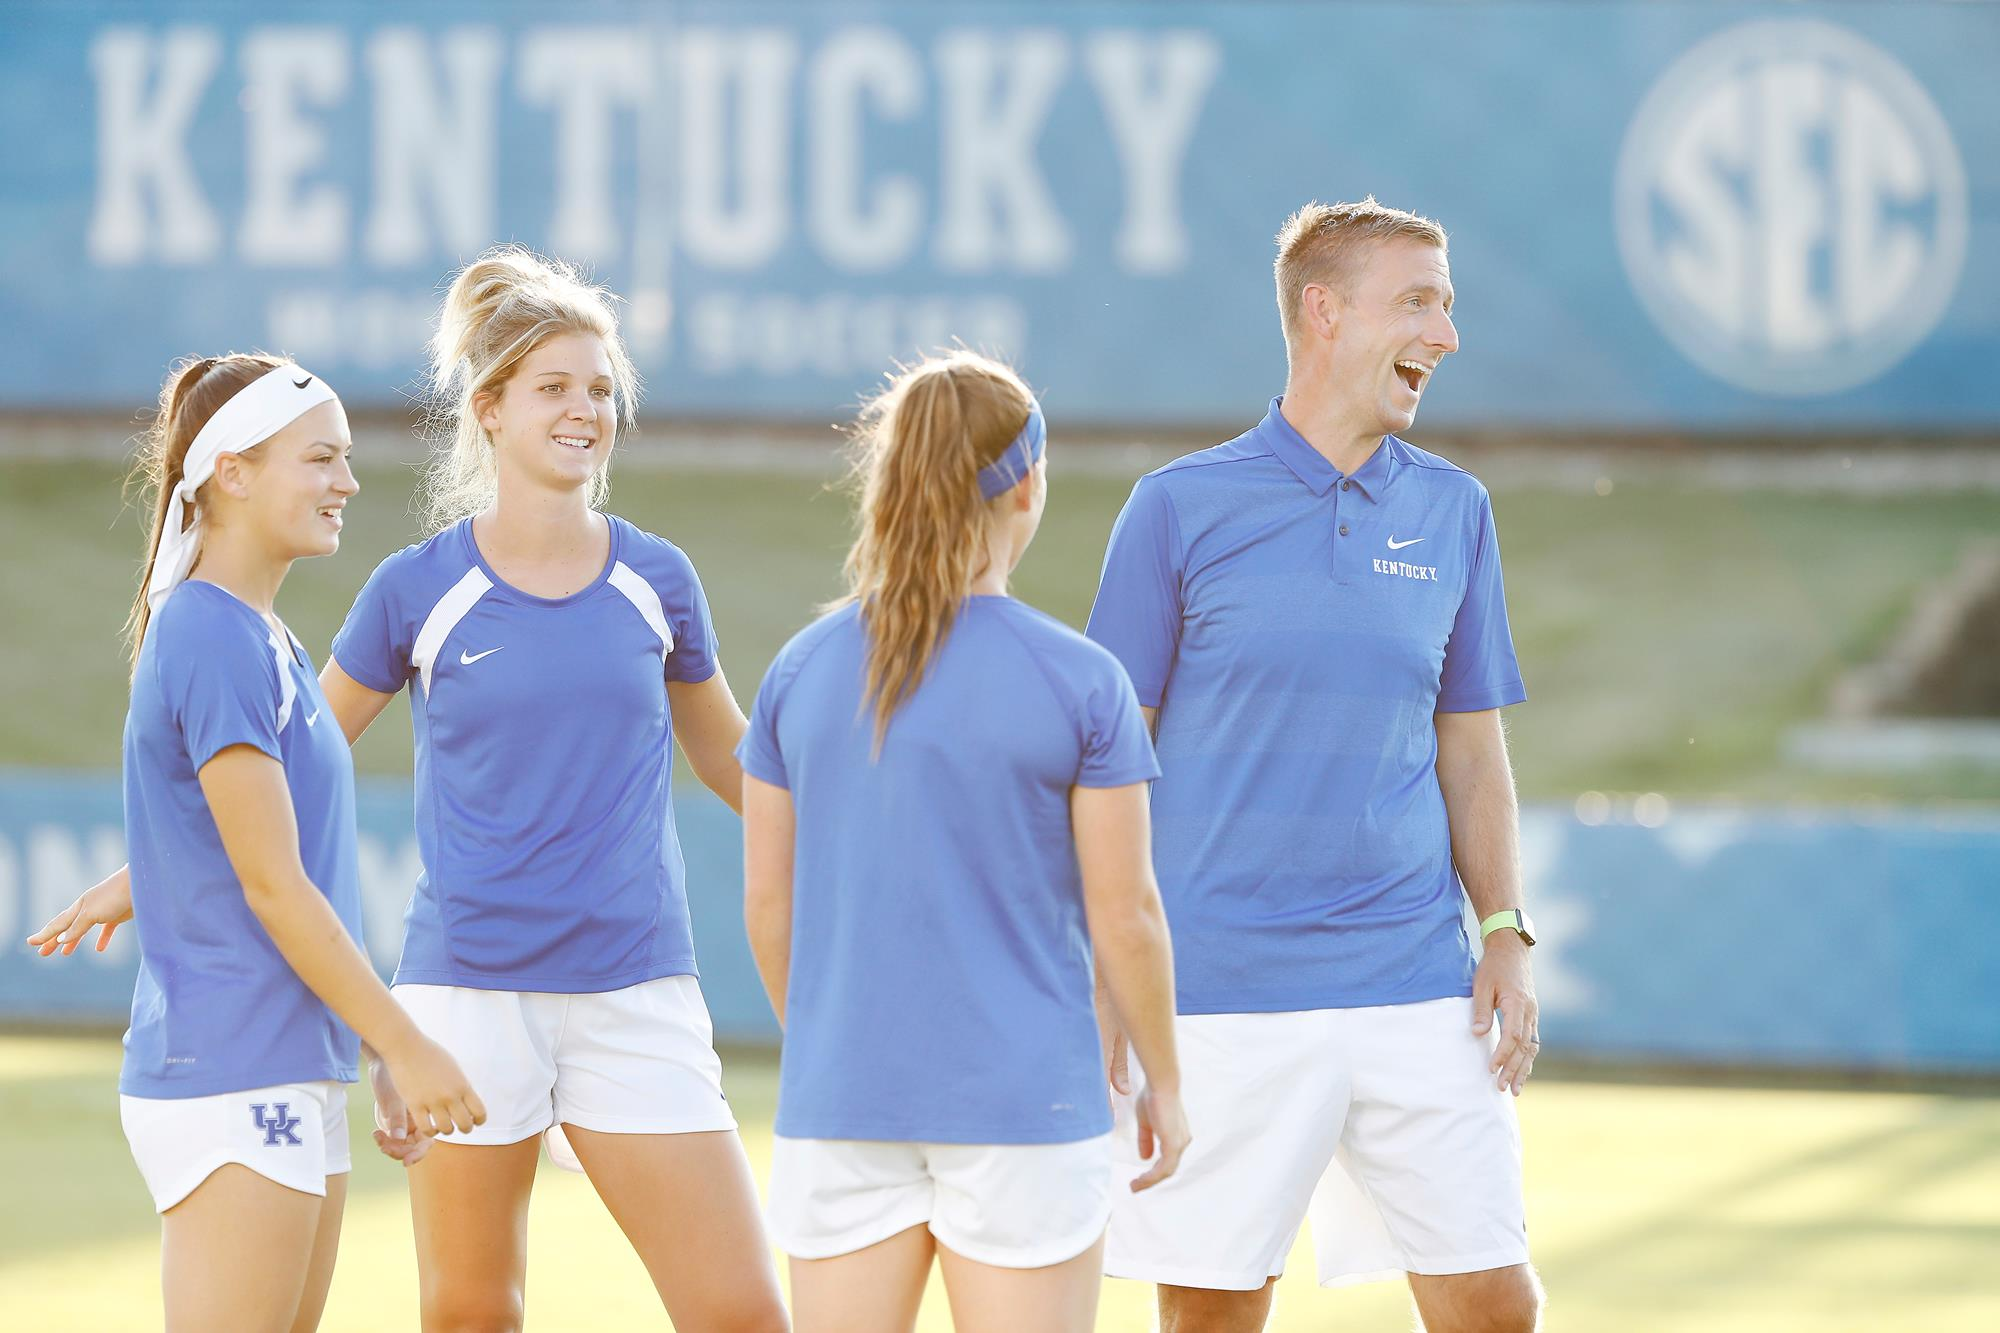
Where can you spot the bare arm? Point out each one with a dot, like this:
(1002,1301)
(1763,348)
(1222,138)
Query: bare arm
(1135,961)
(1478,786)
(354,705)
(768,826)
(108,903)
(708,724)
(252,806)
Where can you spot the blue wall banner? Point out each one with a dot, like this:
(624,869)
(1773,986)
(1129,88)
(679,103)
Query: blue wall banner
(1719,937)
(1664,215)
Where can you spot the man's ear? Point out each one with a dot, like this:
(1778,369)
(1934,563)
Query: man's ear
(1319,307)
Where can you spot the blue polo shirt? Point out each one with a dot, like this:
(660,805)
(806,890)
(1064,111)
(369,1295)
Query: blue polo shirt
(1297,629)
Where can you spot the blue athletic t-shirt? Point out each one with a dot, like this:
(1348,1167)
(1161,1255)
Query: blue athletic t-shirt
(544,755)
(941,985)
(1298,629)
(217,1008)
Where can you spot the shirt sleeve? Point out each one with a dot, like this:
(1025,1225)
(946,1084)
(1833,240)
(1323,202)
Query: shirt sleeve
(375,641)
(1137,614)
(758,750)
(1117,748)
(224,690)
(695,653)
(1480,670)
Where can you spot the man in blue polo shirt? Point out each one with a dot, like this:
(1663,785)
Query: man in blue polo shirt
(1313,617)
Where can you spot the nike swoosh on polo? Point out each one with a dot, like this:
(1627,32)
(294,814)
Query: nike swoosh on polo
(467,659)
(1395,545)
(314,718)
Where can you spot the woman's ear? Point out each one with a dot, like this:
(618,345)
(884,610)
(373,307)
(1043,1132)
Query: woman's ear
(232,475)
(486,411)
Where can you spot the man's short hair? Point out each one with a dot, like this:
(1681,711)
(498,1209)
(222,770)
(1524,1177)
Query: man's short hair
(1325,243)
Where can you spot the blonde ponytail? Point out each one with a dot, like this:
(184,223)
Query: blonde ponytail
(501,307)
(919,446)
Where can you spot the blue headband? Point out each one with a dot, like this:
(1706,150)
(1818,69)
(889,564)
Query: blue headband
(1004,473)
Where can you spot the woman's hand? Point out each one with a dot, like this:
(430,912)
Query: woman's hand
(395,1129)
(1163,1135)
(436,1096)
(107,903)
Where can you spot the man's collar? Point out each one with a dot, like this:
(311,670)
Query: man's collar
(1309,465)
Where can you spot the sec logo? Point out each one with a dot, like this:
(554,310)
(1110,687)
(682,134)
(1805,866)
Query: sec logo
(1791,208)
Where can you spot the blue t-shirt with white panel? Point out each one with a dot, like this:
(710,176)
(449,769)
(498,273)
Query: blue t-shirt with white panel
(941,984)
(217,1008)
(544,757)
(1297,630)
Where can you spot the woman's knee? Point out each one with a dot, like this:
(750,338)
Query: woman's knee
(472,1308)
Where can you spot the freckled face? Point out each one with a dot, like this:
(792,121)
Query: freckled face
(554,419)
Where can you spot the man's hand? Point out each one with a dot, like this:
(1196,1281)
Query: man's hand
(1505,982)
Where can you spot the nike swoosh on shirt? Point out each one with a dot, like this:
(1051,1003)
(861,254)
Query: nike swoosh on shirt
(314,718)
(467,659)
(1395,545)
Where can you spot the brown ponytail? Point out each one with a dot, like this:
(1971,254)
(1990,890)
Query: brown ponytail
(195,389)
(919,446)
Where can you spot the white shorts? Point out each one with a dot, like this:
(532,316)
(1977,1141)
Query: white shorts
(1382,1124)
(1011,1205)
(295,1134)
(635,1061)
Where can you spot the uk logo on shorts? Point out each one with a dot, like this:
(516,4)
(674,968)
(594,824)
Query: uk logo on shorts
(280,1129)
(1791,208)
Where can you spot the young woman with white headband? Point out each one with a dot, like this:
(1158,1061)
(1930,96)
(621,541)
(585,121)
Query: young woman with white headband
(239,819)
(945,815)
(553,654)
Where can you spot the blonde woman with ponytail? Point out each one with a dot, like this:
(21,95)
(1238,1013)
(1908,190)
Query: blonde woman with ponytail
(554,654)
(944,820)
(239,815)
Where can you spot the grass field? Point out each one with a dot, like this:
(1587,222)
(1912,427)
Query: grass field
(1668,636)
(1652,1208)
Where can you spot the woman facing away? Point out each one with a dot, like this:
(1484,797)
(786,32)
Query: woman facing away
(945,815)
(553,654)
(239,818)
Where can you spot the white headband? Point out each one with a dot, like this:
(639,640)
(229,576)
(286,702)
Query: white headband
(259,410)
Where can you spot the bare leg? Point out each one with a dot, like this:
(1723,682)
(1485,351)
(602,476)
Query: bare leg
(1496,1300)
(689,1206)
(1061,1298)
(234,1254)
(872,1290)
(1202,1310)
(469,1204)
(325,1249)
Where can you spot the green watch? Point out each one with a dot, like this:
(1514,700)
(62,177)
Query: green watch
(1514,919)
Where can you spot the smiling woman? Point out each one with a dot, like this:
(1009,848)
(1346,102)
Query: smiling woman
(239,815)
(553,654)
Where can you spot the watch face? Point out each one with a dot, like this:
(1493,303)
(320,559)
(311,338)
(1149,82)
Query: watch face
(1525,926)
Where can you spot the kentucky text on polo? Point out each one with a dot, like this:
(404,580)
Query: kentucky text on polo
(1427,572)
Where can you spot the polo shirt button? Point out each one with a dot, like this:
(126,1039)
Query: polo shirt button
(1346,485)
(1343,529)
